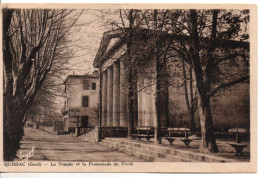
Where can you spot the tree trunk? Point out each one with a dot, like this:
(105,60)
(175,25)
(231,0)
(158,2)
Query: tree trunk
(13,111)
(135,98)
(208,143)
(192,104)
(159,100)
(100,104)
(130,107)
(130,88)
(157,124)
(189,100)
(130,62)
(157,121)
(13,127)
(192,123)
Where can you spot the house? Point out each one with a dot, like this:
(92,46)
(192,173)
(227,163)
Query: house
(81,102)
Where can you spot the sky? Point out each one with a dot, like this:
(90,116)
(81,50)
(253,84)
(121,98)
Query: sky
(86,36)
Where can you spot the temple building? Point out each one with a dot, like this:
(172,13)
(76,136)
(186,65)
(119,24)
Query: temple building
(111,61)
(81,102)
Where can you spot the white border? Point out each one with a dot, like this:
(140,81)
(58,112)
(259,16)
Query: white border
(131,175)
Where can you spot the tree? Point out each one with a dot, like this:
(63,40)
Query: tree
(137,27)
(191,99)
(213,46)
(128,28)
(160,50)
(52,90)
(46,99)
(130,68)
(32,41)
(211,42)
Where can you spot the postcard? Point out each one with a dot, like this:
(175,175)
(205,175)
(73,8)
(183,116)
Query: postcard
(128,88)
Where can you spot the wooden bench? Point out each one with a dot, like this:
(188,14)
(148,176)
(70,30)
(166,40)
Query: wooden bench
(185,140)
(144,132)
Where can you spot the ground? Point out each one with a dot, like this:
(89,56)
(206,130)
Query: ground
(51,147)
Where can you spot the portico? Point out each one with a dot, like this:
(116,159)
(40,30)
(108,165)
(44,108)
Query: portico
(114,95)
(111,59)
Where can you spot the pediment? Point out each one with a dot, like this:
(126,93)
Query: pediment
(112,42)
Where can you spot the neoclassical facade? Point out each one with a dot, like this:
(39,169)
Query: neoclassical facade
(114,81)
(111,61)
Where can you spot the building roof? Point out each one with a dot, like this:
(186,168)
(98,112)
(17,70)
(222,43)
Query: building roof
(80,76)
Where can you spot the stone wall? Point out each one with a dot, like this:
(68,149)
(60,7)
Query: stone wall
(229,108)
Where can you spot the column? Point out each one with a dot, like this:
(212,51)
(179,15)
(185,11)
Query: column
(116,94)
(123,95)
(104,98)
(109,97)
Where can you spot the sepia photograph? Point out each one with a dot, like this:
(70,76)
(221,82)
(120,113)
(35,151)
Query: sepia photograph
(91,88)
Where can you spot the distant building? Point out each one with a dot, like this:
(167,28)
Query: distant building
(81,103)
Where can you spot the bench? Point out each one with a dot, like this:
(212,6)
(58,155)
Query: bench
(238,132)
(144,132)
(171,139)
(238,146)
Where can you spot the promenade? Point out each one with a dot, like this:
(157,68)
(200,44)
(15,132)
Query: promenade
(51,147)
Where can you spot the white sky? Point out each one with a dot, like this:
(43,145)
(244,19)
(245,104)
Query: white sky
(87,35)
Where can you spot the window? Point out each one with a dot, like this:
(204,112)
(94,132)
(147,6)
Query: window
(94,86)
(85,101)
(85,84)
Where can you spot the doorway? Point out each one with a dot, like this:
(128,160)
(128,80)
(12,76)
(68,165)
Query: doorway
(66,124)
(84,121)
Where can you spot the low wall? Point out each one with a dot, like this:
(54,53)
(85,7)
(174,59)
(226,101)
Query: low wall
(113,132)
(82,130)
